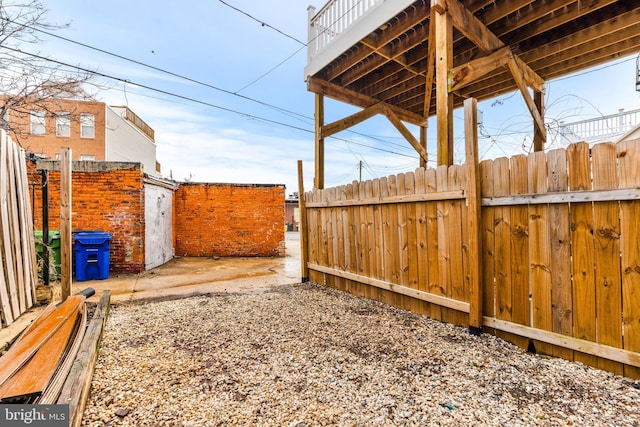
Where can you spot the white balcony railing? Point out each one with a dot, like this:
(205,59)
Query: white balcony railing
(333,19)
(338,18)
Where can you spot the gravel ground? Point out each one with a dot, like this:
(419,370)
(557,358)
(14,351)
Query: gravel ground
(305,355)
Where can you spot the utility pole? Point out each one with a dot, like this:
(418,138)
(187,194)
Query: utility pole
(360,170)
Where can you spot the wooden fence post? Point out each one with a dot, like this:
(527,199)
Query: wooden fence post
(473,201)
(304,247)
(65,221)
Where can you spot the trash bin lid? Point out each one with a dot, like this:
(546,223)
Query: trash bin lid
(92,238)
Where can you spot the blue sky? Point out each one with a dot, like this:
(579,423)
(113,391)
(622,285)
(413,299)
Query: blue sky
(215,44)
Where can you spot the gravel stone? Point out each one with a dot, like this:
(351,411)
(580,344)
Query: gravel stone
(306,355)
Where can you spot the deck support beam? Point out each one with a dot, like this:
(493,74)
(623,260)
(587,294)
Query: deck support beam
(444,98)
(498,55)
(318,180)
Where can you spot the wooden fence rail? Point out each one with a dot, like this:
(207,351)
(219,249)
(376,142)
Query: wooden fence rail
(557,248)
(18,276)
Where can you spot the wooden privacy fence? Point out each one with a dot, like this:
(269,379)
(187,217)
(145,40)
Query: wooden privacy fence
(18,276)
(557,252)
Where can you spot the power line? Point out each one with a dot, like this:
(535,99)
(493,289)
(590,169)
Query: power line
(197,101)
(162,70)
(264,24)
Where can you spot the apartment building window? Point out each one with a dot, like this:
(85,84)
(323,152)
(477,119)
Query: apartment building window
(63,124)
(37,122)
(87,126)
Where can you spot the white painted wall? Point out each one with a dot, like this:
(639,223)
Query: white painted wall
(126,143)
(158,228)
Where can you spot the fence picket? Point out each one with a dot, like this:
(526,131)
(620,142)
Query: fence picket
(606,227)
(520,268)
(581,223)
(432,244)
(561,298)
(502,232)
(628,160)
(539,250)
(488,241)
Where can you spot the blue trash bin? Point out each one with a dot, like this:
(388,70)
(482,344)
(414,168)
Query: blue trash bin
(92,251)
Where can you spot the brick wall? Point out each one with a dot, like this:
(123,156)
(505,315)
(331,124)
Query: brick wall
(106,196)
(229,220)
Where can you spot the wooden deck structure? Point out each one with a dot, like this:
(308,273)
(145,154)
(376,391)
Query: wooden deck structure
(410,60)
(540,250)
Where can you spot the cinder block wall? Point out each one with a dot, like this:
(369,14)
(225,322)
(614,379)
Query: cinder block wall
(107,196)
(229,219)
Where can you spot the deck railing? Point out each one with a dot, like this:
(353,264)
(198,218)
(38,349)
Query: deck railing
(333,19)
(134,119)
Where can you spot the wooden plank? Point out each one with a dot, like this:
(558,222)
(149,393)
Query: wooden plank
(371,270)
(502,232)
(520,267)
(32,378)
(51,393)
(396,289)
(386,296)
(394,244)
(75,390)
(23,350)
(583,346)
(582,244)
(379,233)
(422,238)
(402,248)
(9,270)
(538,119)
(629,176)
(606,227)
(539,250)
(488,241)
(444,250)
(561,294)
(332,233)
(304,226)
(14,225)
(455,177)
(564,197)
(412,241)
(393,200)
(433,264)
(363,248)
(33,264)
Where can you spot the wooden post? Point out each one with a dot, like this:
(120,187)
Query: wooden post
(319,116)
(473,200)
(423,143)
(65,221)
(45,226)
(444,99)
(538,137)
(304,228)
